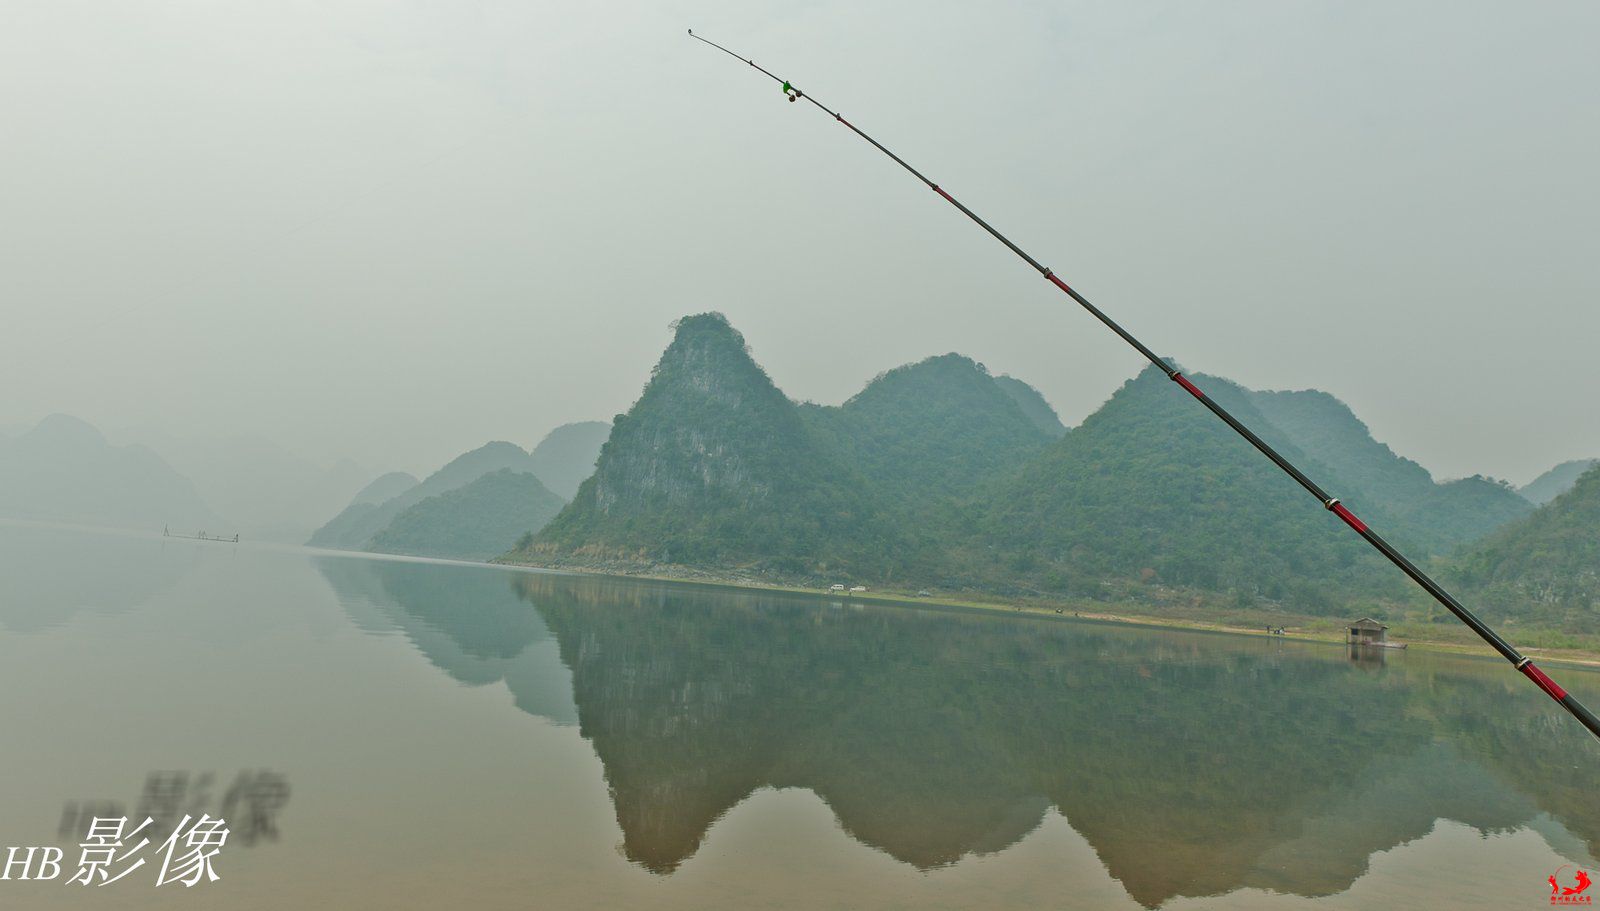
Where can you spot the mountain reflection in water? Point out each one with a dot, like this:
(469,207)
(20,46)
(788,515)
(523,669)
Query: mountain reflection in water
(935,735)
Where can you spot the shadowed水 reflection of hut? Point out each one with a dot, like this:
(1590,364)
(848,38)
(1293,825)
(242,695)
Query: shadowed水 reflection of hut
(1367,657)
(1367,631)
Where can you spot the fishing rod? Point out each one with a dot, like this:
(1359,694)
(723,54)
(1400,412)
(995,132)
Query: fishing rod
(1331,503)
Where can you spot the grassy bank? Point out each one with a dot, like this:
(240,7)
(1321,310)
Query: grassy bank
(1167,608)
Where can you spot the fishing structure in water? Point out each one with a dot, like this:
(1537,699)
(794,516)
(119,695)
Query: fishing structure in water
(1521,662)
(199,536)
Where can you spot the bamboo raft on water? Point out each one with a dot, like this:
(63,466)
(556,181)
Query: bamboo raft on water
(198,536)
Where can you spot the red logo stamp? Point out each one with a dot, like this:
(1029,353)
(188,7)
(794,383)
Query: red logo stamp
(1575,894)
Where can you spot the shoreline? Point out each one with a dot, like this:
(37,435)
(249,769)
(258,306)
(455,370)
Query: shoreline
(1125,612)
(1129,613)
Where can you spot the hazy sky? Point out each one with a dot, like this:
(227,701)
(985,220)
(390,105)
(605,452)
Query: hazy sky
(395,230)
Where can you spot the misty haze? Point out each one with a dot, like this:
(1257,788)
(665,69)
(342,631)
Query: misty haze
(534,456)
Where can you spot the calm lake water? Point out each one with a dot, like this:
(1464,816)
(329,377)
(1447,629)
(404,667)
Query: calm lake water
(458,736)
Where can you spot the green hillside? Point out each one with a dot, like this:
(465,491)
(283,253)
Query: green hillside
(931,431)
(938,474)
(480,520)
(1151,487)
(361,521)
(714,466)
(1545,568)
(1033,405)
(1392,492)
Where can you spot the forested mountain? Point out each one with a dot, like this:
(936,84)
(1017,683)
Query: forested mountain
(355,527)
(1467,510)
(567,455)
(64,470)
(477,521)
(1375,482)
(715,466)
(1033,405)
(939,473)
(1152,487)
(475,507)
(928,432)
(1556,481)
(1546,567)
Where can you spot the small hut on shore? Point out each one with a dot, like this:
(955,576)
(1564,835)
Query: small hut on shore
(1367,631)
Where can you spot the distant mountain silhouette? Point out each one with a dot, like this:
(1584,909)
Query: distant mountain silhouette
(361,521)
(1556,481)
(385,487)
(476,521)
(261,489)
(566,456)
(65,470)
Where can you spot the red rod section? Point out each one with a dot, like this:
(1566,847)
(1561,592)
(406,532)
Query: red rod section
(1544,683)
(1348,517)
(1183,381)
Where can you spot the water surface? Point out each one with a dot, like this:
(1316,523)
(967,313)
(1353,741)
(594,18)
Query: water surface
(457,734)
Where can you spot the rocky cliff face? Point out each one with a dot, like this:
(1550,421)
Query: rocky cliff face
(709,424)
(714,464)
